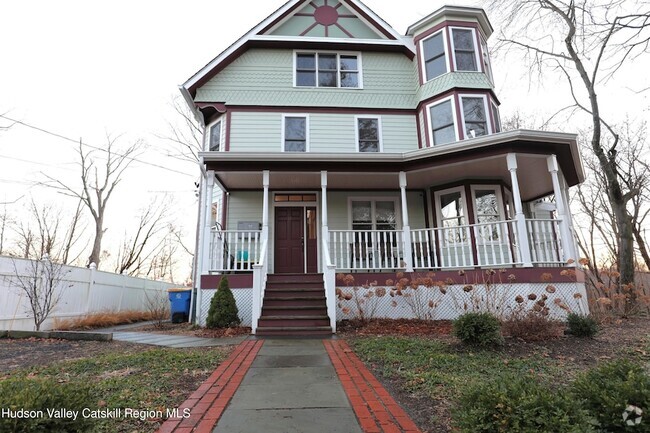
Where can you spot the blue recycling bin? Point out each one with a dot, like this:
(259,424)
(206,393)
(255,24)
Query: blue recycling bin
(180,304)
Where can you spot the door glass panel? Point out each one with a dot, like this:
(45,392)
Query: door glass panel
(312,229)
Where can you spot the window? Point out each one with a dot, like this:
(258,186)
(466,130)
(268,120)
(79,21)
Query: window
(380,214)
(328,70)
(451,215)
(474,116)
(497,117)
(464,49)
(215,137)
(488,211)
(368,134)
(487,66)
(443,125)
(433,55)
(295,133)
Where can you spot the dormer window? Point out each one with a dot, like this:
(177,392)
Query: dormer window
(433,52)
(328,70)
(464,48)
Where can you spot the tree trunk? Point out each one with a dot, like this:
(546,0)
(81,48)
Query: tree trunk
(97,244)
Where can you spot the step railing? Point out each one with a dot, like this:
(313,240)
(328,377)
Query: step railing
(329,280)
(234,250)
(260,276)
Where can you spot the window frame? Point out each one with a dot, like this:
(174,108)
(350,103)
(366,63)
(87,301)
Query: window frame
(486,108)
(500,209)
(423,63)
(486,59)
(338,68)
(430,123)
(380,145)
(496,117)
(283,127)
(438,210)
(477,59)
(373,214)
(222,136)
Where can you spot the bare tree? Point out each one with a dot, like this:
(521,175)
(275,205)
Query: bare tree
(98,182)
(185,136)
(40,282)
(586,43)
(5,222)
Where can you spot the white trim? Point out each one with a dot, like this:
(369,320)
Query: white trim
(430,123)
(486,54)
(477,59)
(338,68)
(379,132)
(222,135)
(423,66)
(488,123)
(372,199)
(438,207)
(284,116)
(461,12)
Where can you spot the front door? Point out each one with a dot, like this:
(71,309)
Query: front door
(289,240)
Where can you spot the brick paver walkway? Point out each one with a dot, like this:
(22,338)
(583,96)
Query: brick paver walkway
(375,409)
(209,401)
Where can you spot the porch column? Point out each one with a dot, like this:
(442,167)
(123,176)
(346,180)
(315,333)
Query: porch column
(408,249)
(520,219)
(568,247)
(266,174)
(328,267)
(323,206)
(206,252)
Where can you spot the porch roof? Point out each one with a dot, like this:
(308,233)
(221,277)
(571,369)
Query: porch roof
(477,158)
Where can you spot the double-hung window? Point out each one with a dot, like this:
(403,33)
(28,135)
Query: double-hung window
(378,214)
(442,121)
(328,70)
(475,116)
(215,137)
(295,133)
(464,49)
(433,54)
(369,134)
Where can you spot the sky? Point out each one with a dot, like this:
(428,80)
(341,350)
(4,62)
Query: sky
(85,69)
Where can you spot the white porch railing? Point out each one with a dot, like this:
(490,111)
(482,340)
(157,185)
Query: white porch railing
(367,249)
(234,250)
(544,239)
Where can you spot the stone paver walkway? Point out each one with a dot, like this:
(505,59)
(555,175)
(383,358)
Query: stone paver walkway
(174,340)
(292,386)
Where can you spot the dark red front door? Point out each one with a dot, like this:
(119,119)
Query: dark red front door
(289,240)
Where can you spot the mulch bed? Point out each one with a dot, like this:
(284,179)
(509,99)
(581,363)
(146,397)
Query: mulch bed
(400,327)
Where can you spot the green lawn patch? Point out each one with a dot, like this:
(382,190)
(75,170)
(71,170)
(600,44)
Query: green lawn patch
(152,380)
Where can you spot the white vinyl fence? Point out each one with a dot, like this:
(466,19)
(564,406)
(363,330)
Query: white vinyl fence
(83,291)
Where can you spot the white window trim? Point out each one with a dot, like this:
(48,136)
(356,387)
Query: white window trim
(423,66)
(338,65)
(488,123)
(430,123)
(438,206)
(372,200)
(379,132)
(284,116)
(477,59)
(222,135)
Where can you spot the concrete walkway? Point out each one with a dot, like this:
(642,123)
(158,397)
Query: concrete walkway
(174,340)
(291,386)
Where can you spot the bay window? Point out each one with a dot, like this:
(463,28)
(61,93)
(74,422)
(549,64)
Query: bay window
(442,121)
(433,54)
(475,117)
(464,49)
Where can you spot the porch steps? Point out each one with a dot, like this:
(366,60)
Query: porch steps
(294,304)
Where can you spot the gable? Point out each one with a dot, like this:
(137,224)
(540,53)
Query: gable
(326,18)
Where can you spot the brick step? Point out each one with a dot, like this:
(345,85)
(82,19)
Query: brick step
(292,321)
(287,293)
(294,284)
(295,301)
(297,331)
(294,277)
(294,310)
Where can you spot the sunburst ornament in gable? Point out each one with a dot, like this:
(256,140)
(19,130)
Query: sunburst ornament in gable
(325,15)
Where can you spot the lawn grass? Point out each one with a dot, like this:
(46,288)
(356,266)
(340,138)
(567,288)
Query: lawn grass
(154,379)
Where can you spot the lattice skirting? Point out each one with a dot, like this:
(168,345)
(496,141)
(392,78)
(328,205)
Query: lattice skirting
(432,303)
(243,298)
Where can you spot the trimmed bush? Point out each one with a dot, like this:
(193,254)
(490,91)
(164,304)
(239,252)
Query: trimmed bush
(517,404)
(36,396)
(581,326)
(608,390)
(223,312)
(478,329)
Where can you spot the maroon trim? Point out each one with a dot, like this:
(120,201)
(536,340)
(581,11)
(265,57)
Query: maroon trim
(434,215)
(314,5)
(459,118)
(419,129)
(308,29)
(281,17)
(472,220)
(309,109)
(228,117)
(427,127)
(224,209)
(300,14)
(479,49)
(467,183)
(454,91)
(370,20)
(425,205)
(420,62)
(344,30)
(437,27)
(478,276)
(235,281)
(452,67)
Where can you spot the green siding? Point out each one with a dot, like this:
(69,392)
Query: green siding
(265,77)
(244,206)
(466,80)
(328,132)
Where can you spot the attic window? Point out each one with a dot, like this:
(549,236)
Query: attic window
(328,70)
